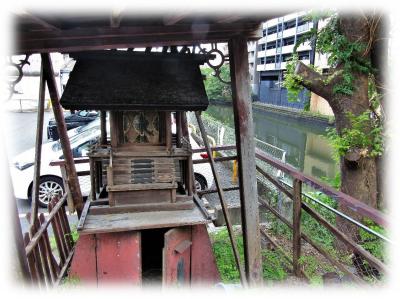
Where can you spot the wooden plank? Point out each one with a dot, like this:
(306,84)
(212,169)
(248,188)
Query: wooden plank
(52,211)
(70,200)
(142,197)
(38,148)
(113,129)
(39,21)
(83,265)
(119,258)
(215,148)
(178,126)
(244,131)
(168,134)
(66,230)
(103,127)
(143,220)
(201,206)
(31,261)
(103,210)
(176,266)
(296,226)
(215,190)
(53,266)
(73,181)
(57,234)
(115,18)
(37,259)
(83,215)
(173,19)
(101,43)
(43,256)
(133,187)
(92,180)
(218,159)
(204,269)
(65,267)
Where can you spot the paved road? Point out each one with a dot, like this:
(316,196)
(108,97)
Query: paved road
(20,135)
(20,131)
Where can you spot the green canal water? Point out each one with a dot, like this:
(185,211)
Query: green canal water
(306,147)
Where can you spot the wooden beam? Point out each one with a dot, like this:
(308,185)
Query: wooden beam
(39,21)
(244,131)
(229,19)
(103,127)
(173,19)
(89,39)
(38,148)
(115,18)
(72,177)
(224,206)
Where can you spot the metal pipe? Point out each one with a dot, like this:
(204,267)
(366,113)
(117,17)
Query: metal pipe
(342,215)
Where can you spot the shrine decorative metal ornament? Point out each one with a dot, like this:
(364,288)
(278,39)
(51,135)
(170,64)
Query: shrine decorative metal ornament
(13,78)
(217,62)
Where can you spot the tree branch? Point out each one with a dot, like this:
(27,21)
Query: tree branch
(315,82)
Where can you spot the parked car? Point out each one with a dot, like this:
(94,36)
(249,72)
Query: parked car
(72,120)
(50,176)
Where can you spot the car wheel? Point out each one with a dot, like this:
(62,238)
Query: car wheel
(200,182)
(48,188)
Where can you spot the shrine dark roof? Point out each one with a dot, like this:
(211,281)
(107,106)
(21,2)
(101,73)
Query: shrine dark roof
(127,80)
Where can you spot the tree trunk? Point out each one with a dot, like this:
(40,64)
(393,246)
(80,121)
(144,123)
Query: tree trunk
(358,173)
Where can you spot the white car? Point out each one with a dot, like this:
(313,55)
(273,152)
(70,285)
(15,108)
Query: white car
(50,176)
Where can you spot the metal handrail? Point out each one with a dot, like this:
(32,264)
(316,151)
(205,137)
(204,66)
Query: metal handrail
(366,228)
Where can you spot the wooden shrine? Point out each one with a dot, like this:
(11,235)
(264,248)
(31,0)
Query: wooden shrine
(146,171)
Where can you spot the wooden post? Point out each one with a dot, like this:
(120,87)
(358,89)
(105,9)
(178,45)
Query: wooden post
(72,177)
(38,148)
(243,116)
(296,226)
(18,237)
(168,134)
(222,200)
(184,126)
(178,126)
(103,127)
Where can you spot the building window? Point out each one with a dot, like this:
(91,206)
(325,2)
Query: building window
(288,41)
(270,59)
(305,55)
(264,32)
(262,60)
(271,45)
(271,30)
(289,24)
(302,25)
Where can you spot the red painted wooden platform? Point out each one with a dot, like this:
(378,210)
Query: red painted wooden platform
(106,258)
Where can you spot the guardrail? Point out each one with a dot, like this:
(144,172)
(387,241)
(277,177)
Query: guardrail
(353,250)
(47,269)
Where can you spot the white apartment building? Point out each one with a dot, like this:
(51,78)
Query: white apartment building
(269,55)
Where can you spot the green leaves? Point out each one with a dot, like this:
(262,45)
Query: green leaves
(358,136)
(292,81)
(214,87)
